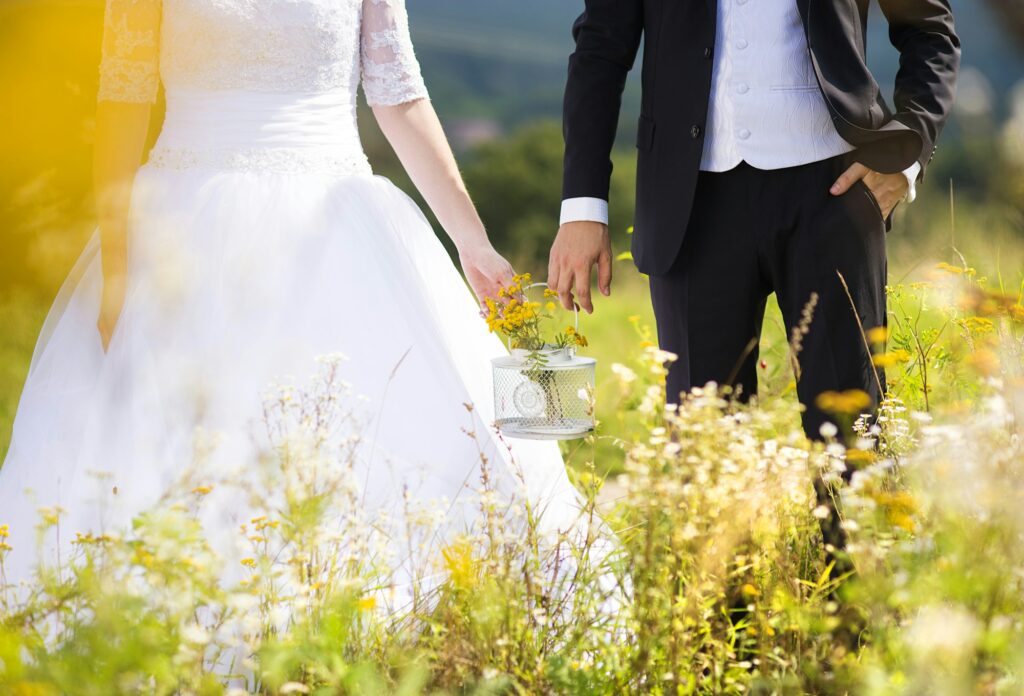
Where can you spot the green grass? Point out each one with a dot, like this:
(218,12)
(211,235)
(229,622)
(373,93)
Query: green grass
(21,317)
(726,586)
(715,509)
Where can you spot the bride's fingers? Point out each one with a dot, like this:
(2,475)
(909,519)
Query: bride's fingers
(486,288)
(509,274)
(481,299)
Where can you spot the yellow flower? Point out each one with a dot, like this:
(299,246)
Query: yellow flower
(5,531)
(890,359)
(548,292)
(144,558)
(51,515)
(899,508)
(749,590)
(249,562)
(979,325)
(368,603)
(859,456)
(878,335)
(202,490)
(851,402)
(460,564)
(955,270)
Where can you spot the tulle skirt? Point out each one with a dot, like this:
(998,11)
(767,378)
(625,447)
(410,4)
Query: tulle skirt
(238,282)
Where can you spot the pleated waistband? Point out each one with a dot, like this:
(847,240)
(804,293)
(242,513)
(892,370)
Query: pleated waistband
(254,131)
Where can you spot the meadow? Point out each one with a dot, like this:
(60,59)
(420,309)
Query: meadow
(702,568)
(717,581)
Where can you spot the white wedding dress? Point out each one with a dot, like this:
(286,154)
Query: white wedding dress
(259,239)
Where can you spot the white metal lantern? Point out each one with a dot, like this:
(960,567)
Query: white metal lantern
(544,395)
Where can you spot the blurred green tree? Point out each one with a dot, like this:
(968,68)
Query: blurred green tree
(517,186)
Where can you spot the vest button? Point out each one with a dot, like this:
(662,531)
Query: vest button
(695,131)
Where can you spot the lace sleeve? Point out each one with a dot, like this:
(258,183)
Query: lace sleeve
(129,69)
(391,73)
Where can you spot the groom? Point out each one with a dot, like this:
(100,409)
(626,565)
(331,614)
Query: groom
(768,162)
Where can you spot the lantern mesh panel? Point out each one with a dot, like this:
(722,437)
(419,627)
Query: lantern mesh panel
(544,402)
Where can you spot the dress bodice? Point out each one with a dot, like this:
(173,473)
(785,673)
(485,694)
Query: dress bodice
(259,45)
(280,65)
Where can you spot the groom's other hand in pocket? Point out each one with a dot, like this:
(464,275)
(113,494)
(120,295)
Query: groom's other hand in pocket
(577,248)
(888,189)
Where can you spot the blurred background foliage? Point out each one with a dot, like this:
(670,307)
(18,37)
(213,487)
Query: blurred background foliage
(496,72)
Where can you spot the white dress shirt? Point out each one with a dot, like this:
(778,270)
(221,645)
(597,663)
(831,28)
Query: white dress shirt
(766,108)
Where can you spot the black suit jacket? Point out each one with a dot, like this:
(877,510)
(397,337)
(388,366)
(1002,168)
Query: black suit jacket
(678,55)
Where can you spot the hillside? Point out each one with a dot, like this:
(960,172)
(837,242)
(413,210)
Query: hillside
(506,61)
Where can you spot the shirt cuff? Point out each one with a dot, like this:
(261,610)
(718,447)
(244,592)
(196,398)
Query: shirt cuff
(912,173)
(584,210)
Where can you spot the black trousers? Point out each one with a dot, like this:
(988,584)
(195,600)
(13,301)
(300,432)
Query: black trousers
(753,232)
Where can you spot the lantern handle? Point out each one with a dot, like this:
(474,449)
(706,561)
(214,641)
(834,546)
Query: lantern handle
(576,308)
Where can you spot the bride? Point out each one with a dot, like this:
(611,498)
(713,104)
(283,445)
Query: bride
(254,239)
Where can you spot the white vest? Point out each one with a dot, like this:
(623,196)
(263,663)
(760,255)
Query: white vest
(766,107)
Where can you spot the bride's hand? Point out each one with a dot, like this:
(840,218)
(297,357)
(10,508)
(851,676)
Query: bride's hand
(486,270)
(111,304)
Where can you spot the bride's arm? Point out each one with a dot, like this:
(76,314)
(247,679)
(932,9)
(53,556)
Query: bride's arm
(394,88)
(129,81)
(121,131)
(415,133)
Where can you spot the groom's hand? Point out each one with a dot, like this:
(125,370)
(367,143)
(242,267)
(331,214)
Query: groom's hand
(578,246)
(888,189)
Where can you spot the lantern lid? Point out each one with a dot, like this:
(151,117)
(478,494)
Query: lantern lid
(511,362)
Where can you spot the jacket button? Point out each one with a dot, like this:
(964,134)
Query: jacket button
(695,131)
(707,52)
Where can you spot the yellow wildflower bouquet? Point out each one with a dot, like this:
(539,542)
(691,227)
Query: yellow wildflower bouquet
(521,320)
(543,390)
